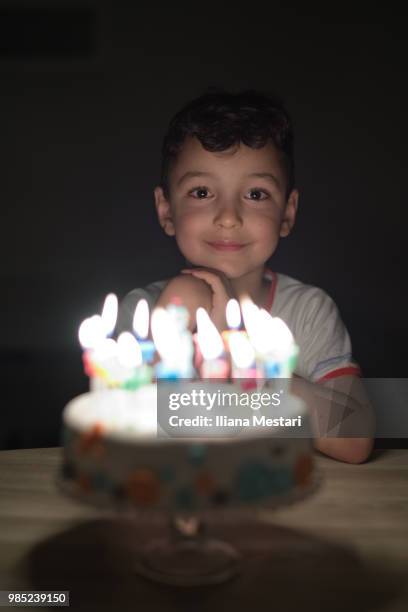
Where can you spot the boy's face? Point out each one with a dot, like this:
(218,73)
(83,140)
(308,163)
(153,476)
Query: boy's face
(227,210)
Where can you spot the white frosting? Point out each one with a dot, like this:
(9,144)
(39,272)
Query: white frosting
(122,413)
(133,414)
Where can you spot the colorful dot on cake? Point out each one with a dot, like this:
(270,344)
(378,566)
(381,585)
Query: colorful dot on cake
(143,487)
(166,473)
(282,480)
(91,438)
(255,481)
(184,498)
(197,453)
(204,483)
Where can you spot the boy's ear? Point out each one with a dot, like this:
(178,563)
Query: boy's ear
(163,210)
(289,216)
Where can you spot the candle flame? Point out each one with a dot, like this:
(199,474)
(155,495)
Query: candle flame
(107,349)
(241,349)
(92,332)
(109,313)
(252,321)
(129,351)
(164,334)
(267,334)
(277,334)
(141,319)
(208,337)
(233,314)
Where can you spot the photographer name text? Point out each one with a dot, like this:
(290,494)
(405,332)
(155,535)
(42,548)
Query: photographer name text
(224,421)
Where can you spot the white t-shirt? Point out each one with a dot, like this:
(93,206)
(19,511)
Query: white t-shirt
(311,315)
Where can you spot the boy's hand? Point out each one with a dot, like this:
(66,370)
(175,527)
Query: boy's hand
(221,292)
(193,293)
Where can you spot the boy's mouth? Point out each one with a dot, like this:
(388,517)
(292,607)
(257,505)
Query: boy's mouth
(226,245)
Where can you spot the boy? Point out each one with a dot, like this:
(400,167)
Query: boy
(227,196)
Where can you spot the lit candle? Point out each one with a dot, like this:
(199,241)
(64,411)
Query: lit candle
(91,332)
(233,316)
(133,373)
(198,358)
(185,347)
(215,363)
(108,363)
(97,351)
(174,364)
(109,313)
(141,329)
(243,361)
(279,349)
(242,355)
(274,346)
(253,325)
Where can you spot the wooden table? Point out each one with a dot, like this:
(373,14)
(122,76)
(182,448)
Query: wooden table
(344,549)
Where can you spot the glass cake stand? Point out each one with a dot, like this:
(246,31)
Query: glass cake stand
(188,555)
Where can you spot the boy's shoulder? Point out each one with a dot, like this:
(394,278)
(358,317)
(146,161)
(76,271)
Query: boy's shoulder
(314,319)
(291,290)
(300,304)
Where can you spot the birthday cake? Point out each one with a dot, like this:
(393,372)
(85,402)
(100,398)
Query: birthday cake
(113,455)
(117,449)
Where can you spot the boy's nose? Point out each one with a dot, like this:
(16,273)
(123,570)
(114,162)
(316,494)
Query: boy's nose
(228,216)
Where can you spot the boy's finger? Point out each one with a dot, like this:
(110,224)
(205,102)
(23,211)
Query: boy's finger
(212,279)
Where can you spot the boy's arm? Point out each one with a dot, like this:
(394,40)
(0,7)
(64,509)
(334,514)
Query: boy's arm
(340,408)
(193,292)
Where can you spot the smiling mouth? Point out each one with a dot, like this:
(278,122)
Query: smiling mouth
(226,245)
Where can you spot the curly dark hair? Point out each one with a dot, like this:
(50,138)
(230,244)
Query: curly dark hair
(220,120)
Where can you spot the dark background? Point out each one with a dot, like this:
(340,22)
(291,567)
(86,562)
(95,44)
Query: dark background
(87,90)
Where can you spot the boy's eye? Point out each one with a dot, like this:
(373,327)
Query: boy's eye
(258,194)
(255,194)
(199,192)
